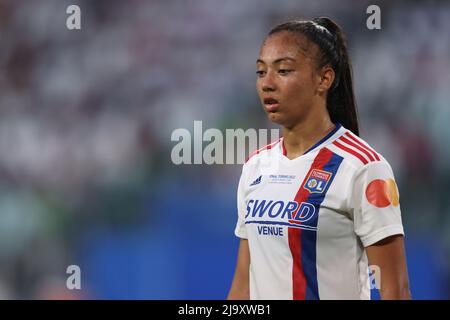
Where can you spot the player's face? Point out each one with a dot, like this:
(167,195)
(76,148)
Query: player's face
(286,77)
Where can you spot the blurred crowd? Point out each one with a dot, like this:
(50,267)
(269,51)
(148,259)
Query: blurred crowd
(86,118)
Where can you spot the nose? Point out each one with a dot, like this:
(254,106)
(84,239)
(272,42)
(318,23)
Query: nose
(268,88)
(267,82)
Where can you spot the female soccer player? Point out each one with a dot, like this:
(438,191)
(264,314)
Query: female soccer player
(318,210)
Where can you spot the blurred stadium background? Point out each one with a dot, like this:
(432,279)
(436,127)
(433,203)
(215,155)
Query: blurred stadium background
(86,119)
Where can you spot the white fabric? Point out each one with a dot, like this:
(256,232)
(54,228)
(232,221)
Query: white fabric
(346,222)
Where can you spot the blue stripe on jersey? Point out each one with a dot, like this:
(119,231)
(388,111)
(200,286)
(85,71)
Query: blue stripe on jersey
(309,239)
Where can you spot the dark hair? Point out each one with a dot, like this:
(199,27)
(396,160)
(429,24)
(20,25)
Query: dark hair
(330,39)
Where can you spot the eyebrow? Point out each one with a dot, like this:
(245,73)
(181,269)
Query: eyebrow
(277,60)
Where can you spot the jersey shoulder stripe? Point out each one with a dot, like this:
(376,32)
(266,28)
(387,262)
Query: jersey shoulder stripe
(356,148)
(362,144)
(266,147)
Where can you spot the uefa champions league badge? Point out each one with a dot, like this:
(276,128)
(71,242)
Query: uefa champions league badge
(317,181)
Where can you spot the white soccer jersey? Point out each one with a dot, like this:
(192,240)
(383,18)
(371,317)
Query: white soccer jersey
(307,220)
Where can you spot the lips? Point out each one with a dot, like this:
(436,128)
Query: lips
(271,104)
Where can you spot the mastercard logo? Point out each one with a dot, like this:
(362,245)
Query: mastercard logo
(382,193)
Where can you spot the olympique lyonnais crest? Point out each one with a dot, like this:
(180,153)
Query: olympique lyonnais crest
(317,181)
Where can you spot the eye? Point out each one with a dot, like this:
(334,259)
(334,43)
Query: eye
(260,73)
(284,71)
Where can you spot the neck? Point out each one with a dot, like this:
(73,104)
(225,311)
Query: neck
(306,133)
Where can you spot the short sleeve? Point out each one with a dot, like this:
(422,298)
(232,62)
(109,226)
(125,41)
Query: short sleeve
(240,230)
(375,203)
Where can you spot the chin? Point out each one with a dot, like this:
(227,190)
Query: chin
(275,117)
